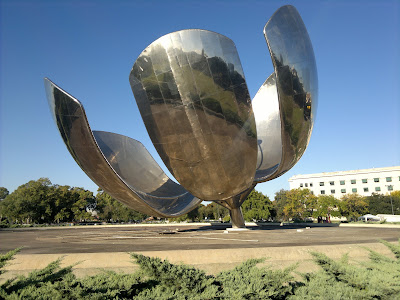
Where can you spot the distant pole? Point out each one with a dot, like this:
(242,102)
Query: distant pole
(391,200)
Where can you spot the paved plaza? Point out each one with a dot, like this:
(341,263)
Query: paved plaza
(210,248)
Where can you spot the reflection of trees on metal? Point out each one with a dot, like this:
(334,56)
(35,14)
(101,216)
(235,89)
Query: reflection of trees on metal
(191,92)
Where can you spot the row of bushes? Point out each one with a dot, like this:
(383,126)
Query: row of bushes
(379,278)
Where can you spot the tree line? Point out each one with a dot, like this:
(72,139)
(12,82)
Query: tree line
(41,202)
(302,204)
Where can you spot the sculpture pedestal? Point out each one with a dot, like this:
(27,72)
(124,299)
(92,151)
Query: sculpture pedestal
(235,229)
(237,219)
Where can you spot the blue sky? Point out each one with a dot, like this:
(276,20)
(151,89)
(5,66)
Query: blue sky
(88,48)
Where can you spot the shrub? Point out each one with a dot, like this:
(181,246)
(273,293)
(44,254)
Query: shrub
(378,278)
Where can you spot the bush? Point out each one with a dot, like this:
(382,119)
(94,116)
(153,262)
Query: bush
(379,278)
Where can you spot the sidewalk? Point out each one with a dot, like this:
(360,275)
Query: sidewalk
(210,248)
(211,261)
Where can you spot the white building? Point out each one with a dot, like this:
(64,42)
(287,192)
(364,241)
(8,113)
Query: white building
(363,182)
(389,218)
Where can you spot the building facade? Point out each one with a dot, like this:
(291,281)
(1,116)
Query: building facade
(363,182)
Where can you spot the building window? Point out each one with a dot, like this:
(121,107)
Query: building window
(354,190)
(376,179)
(322,192)
(343,191)
(377,189)
(366,190)
(331,182)
(332,191)
(388,179)
(341,182)
(364,181)
(306,184)
(353,181)
(321,184)
(310,184)
(390,187)
(301,185)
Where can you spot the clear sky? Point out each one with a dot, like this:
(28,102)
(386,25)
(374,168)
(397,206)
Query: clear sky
(88,48)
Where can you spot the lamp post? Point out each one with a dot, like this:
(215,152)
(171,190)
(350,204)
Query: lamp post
(389,186)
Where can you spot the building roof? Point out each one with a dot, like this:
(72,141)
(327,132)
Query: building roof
(341,173)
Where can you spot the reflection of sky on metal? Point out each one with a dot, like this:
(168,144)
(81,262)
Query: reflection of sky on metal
(266,112)
(191,41)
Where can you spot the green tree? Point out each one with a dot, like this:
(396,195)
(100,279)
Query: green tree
(65,197)
(257,207)
(327,206)
(395,198)
(111,210)
(379,204)
(280,201)
(382,204)
(194,215)
(353,206)
(201,211)
(79,208)
(206,212)
(213,211)
(3,193)
(301,204)
(31,202)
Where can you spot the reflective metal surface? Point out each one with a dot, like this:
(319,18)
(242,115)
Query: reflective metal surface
(268,121)
(191,92)
(192,95)
(119,165)
(296,81)
(234,205)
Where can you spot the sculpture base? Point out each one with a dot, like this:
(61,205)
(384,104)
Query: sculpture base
(237,219)
(236,229)
(233,204)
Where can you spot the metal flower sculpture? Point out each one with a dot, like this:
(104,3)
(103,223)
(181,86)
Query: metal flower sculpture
(217,143)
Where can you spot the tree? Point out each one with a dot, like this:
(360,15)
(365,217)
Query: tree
(214,211)
(42,202)
(111,210)
(64,200)
(327,206)
(30,202)
(203,212)
(353,206)
(379,204)
(395,197)
(79,208)
(194,215)
(382,204)
(300,204)
(3,193)
(257,207)
(280,201)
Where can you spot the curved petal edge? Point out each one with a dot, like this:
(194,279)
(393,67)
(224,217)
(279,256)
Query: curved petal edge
(94,153)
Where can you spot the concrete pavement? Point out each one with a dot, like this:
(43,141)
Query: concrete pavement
(207,247)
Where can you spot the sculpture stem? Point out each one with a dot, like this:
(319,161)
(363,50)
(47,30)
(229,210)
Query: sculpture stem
(233,204)
(237,219)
